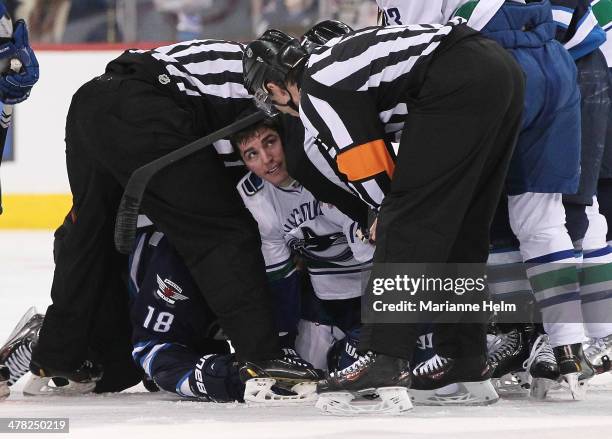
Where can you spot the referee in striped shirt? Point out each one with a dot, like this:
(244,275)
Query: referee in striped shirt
(147,104)
(453,99)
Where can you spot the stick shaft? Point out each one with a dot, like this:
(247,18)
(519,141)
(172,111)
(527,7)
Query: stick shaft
(129,207)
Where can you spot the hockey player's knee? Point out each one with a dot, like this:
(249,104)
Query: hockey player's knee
(595,237)
(314,340)
(538,221)
(544,241)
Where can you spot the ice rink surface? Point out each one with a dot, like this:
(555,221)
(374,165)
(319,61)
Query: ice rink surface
(26,270)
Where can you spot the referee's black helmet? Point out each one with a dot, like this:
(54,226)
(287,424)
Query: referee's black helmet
(324,31)
(269,59)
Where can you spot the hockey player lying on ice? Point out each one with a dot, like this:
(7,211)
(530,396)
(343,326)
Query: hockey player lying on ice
(30,336)
(177,340)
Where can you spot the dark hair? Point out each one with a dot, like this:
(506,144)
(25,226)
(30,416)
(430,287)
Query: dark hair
(250,132)
(294,76)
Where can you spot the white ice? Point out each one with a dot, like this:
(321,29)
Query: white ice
(26,270)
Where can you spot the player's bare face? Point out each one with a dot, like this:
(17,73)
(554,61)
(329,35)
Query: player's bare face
(264,156)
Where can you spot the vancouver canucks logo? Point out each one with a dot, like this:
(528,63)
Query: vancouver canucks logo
(319,243)
(168,291)
(317,247)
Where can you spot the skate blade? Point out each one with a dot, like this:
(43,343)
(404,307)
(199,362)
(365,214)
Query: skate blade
(575,385)
(259,391)
(29,314)
(40,386)
(541,386)
(464,393)
(515,384)
(391,401)
(288,383)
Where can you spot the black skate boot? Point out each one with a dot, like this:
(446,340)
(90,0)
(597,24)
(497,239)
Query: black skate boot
(288,379)
(288,370)
(377,377)
(17,351)
(575,368)
(5,374)
(78,381)
(368,373)
(599,353)
(506,358)
(448,381)
(542,367)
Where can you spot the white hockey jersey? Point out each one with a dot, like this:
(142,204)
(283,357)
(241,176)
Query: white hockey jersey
(603,13)
(437,11)
(290,219)
(402,12)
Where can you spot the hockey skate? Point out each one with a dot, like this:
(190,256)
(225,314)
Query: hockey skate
(575,369)
(288,379)
(599,353)
(448,381)
(542,368)
(374,384)
(265,391)
(48,381)
(17,351)
(506,357)
(5,374)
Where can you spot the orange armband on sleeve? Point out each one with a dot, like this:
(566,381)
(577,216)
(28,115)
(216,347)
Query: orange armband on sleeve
(365,160)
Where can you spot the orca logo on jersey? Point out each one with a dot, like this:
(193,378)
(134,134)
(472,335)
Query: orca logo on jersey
(318,243)
(312,246)
(168,291)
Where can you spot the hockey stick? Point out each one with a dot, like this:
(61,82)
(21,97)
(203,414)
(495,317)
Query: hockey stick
(127,215)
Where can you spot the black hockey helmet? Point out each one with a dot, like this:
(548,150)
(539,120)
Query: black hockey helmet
(322,32)
(269,59)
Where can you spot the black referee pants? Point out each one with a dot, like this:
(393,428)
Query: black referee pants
(115,125)
(454,155)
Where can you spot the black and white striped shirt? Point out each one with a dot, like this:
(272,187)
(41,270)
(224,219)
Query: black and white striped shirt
(355,97)
(206,75)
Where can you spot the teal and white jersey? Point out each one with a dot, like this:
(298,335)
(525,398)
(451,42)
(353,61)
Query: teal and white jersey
(478,13)
(291,220)
(603,12)
(402,12)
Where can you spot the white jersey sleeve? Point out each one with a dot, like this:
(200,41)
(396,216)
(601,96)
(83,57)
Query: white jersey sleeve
(362,251)
(277,256)
(402,12)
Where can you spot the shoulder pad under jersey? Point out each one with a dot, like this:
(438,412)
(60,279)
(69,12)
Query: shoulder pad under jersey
(251,184)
